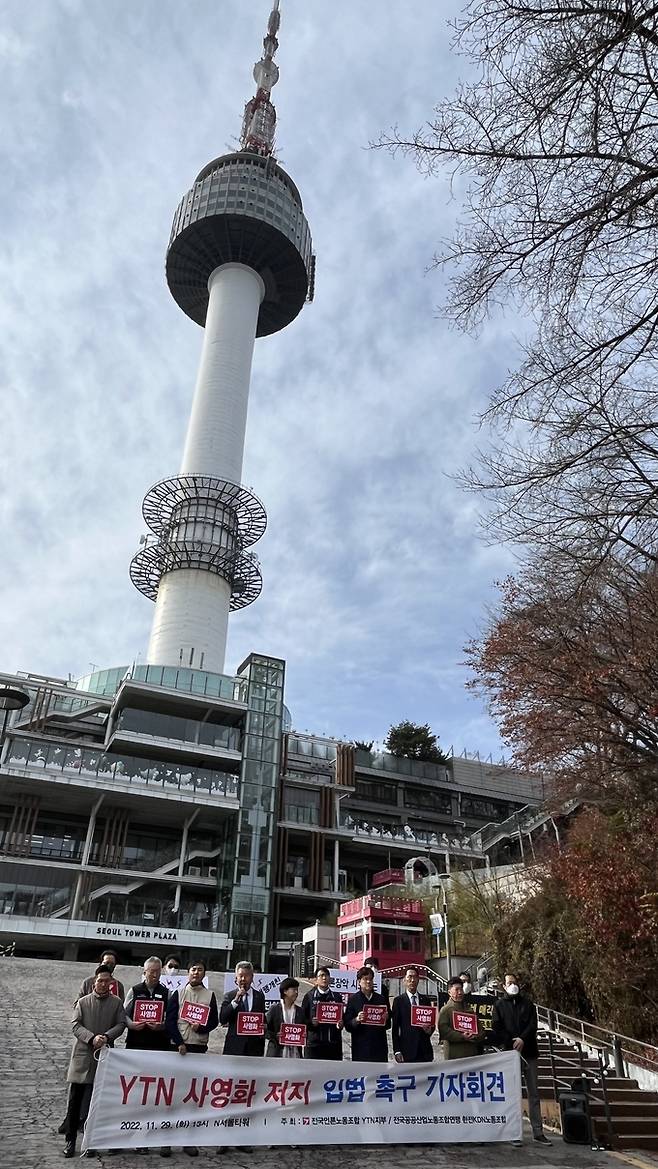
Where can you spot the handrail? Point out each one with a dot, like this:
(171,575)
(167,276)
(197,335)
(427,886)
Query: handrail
(559,1082)
(636,1051)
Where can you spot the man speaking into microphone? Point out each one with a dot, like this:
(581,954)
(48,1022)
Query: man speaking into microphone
(245,1001)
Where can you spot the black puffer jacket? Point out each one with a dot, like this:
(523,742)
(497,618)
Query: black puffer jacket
(515,1017)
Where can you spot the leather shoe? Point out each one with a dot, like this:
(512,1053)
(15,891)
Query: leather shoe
(191,1150)
(540,1139)
(165,1151)
(69,1149)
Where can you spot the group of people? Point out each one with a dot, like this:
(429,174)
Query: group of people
(104,1010)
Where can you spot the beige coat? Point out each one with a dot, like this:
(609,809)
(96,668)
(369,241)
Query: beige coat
(93,1015)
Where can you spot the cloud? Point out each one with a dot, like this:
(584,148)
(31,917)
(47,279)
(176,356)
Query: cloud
(374,574)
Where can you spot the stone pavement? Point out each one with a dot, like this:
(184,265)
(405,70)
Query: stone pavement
(37,997)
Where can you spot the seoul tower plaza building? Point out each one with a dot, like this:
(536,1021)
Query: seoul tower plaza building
(171,765)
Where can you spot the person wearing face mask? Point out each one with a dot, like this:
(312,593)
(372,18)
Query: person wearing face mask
(514,1028)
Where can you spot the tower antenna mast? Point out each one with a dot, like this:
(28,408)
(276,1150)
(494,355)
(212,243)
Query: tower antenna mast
(259,120)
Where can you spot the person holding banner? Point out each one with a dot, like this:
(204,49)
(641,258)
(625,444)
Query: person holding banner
(322,1009)
(240,1011)
(414,1020)
(368,1018)
(98,1019)
(458,1025)
(285,1021)
(514,1028)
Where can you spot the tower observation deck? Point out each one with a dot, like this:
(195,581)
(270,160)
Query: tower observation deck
(240,263)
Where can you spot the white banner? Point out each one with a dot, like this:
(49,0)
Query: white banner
(268,983)
(177,981)
(345,981)
(148,1098)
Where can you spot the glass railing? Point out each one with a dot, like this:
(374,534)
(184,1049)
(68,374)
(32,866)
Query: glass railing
(192,681)
(175,678)
(403,833)
(311,748)
(179,730)
(384,761)
(524,820)
(35,754)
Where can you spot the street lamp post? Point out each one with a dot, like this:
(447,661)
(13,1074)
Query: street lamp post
(11,699)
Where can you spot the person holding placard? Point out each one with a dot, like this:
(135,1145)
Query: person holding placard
(145,1006)
(458,1026)
(243,1013)
(322,1009)
(414,1020)
(286,1029)
(368,1018)
(192,1012)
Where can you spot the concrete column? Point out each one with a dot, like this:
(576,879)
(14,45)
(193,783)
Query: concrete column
(191,613)
(86,853)
(216,430)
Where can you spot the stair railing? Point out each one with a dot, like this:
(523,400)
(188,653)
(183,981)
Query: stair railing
(560,1084)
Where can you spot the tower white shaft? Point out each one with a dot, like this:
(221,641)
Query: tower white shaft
(191,612)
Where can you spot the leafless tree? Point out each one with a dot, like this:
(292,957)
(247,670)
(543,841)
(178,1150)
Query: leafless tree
(553,150)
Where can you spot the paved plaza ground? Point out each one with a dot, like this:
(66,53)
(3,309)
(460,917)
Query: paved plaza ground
(37,997)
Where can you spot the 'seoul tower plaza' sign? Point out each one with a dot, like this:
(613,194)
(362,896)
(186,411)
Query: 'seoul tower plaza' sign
(239,263)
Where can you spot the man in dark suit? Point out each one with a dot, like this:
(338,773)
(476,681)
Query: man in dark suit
(369,1041)
(245,998)
(323,1040)
(411,1043)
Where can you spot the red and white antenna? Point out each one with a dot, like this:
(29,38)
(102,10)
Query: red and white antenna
(259,121)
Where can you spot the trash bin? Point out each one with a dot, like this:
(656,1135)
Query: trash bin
(575,1115)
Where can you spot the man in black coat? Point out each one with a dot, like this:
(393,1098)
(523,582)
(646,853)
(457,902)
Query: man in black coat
(369,1041)
(411,1043)
(323,1040)
(245,998)
(514,1028)
(149,1036)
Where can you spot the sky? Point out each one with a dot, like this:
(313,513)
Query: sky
(375,570)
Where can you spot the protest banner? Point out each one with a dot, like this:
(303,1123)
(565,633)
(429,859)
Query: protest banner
(345,981)
(148,1011)
(374,1015)
(147,1099)
(293,1035)
(329,1012)
(423,1016)
(250,1023)
(177,981)
(268,983)
(481,1004)
(195,1013)
(465,1021)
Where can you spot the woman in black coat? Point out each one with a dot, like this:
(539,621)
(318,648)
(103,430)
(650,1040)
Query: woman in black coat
(282,1012)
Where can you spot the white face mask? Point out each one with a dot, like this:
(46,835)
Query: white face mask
(512,988)
(467,987)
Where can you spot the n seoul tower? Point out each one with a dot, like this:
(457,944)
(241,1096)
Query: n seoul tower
(240,263)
